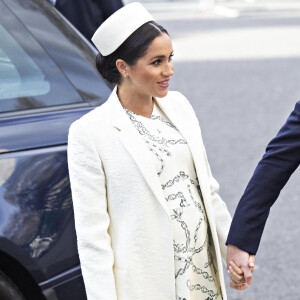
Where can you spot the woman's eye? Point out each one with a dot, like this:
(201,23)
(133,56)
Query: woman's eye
(157,62)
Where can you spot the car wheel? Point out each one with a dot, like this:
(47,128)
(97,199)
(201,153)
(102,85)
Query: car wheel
(8,290)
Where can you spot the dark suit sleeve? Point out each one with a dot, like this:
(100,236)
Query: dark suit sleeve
(109,7)
(281,159)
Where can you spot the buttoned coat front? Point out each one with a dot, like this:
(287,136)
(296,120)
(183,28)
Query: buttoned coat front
(123,228)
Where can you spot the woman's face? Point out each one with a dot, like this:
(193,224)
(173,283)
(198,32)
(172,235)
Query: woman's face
(151,74)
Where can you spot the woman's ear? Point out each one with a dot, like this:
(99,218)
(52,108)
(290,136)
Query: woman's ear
(122,67)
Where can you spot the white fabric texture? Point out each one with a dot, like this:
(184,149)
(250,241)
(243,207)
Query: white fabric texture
(123,225)
(194,258)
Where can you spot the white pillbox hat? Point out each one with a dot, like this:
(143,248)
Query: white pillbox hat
(119,26)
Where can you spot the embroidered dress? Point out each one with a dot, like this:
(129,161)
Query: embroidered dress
(196,274)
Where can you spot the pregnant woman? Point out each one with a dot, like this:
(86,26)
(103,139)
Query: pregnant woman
(149,221)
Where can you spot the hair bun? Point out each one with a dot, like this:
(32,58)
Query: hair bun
(107,68)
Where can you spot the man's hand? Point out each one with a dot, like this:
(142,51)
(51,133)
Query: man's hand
(237,280)
(241,260)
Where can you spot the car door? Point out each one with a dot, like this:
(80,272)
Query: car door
(47,80)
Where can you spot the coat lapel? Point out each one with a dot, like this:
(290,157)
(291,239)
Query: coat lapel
(136,147)
(180,118)
(192,134)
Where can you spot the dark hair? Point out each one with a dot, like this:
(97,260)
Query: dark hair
(133,48)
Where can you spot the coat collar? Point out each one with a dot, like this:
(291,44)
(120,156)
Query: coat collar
(135,145)
(181,116)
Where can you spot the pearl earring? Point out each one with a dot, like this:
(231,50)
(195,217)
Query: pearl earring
(125,75)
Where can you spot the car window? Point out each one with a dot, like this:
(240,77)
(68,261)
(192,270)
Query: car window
(29,77)
(43,61)
(19,74)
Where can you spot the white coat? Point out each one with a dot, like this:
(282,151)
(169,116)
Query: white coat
(123,228)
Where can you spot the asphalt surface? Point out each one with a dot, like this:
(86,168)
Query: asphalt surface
(242,77)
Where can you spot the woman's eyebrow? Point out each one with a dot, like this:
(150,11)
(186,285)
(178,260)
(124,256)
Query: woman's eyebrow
(159,56)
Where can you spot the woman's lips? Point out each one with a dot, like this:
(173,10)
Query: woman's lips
(164,84)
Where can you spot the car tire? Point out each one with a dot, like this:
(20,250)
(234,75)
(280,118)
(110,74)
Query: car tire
(8,290)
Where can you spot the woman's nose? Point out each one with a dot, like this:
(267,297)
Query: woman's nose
(169,70)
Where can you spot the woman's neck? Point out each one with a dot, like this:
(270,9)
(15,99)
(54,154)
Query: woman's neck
(138,103)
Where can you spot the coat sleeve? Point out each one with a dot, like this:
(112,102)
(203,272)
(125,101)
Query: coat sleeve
(91,215)
(221,213)
(280,160)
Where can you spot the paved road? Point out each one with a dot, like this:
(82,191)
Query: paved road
(242,76)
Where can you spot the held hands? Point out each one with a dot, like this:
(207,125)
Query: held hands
(237,279)
(240,266)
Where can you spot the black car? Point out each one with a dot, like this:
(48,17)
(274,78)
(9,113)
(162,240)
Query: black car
(47,80)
